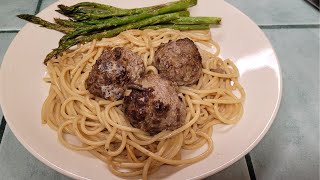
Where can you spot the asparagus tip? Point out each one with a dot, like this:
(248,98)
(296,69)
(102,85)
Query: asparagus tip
(49,56)
(63,9)
(25,16)
(57,20)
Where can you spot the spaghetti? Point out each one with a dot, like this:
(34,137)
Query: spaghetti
(100,125)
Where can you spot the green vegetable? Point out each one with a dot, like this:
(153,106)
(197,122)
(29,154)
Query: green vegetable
(44,23)
(75,8)
(113,32)
(181,20)
(87,12)
(96,21)
(68,23)
(197,20)
(116,21)
(99,11)
(181,27)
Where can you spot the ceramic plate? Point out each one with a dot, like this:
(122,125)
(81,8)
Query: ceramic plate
(22,92)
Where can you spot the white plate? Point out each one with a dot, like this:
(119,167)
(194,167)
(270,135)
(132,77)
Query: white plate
(22,93)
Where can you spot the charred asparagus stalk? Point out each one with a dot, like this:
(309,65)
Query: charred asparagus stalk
(181,27)
(44,23)
(181,20)
(74,8)
(80,13)
(116,21)
(197,20)
(110,33)
(68,23)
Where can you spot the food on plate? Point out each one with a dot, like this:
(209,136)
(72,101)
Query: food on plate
(113,70)
(181,27)
(64,45)
(180,21)
(153,105)
(89,21)
(179,61)
(91,10)
(122,132)
(138,87)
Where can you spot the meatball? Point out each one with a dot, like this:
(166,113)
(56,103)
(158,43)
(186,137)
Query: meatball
(153,105)
(179,61)
(112,71)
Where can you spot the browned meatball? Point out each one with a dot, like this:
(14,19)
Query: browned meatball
(112,71)
(179,61)
(153,105)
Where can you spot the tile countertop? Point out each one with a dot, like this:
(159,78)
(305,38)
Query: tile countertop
(290,150)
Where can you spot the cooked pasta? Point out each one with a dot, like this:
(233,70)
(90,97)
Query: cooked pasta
(100,125)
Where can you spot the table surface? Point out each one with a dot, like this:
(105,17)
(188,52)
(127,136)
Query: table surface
(290,150)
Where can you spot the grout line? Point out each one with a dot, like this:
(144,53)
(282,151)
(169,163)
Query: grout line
(294,26)
(250,167)
(9,31)
(38,7)
(2,127)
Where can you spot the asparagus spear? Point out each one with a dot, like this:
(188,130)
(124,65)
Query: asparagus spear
(197,20)
(181,27)
(44,23)
(116,21)
(85,13)
(181,20)
(68,23)
(115,11)
(69,10)
(115,31)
